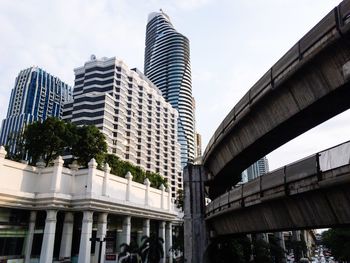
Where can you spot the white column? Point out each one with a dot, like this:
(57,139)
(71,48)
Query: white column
(91,173)
(147,183)
(29,239)
(169,242)
(67,235)
(139,237)
(85,243)
(162,235)
(128,177)
(47,245)
(146,227)
(119,239)
(107,170)
(126,230)
(57,175)
(101,234)
(162,188)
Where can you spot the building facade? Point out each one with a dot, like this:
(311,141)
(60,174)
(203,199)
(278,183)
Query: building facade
(55,213)
(258,168)
(139,125)
(167,65)
(35,96)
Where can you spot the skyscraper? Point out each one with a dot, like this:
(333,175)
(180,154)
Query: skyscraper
(139,125)
(35,96)
(167,65)
(258,168)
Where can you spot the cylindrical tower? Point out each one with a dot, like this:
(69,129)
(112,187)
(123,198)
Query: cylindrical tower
(167,65)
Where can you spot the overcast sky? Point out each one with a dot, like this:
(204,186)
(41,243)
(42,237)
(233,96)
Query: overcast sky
(233,43)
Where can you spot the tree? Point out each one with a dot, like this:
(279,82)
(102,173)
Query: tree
(338,240)
(89,143)
(151,249)
(180,199)
(45,139)
(16,141)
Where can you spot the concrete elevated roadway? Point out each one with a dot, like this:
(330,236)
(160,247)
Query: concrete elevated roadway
(307,86)
(308,194)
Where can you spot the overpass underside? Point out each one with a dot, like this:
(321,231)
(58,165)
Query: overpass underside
(307,86)
(319,201)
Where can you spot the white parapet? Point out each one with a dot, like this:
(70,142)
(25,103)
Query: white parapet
(25,186)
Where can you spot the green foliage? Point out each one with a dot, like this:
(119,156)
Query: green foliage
(88,143)
(262,251)
(276,251)
(15,138)
(45,139)
(50,138)
(120,168)
(338,240)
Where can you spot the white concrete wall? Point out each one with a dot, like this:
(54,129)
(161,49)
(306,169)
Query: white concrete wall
(27,181)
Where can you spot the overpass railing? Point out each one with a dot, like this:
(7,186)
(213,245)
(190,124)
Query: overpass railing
(278,182)
(335,22)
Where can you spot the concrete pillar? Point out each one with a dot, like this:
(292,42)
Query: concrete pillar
(147,183)
(29,239)
(91,173)
(128,177)
(280,242)
(85,243)
(169,242)
(67,235)
(195,230)
(126,230)
(47,245)
(74,168)
(262,236)
(119,236)
(162,188)
(162,235)
(56,175)
(146,227)
(139,237)
(107,170)
(101,234)
(170,206)
(249,236)
(2,154)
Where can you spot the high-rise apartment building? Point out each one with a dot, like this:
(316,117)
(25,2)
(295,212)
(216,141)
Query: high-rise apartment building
(35,96)
(167,65)
(258,168)
(139,125)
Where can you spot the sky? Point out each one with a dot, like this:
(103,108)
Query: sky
(233,43)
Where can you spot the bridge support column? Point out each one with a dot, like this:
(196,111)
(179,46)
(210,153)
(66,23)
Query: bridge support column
(195,231)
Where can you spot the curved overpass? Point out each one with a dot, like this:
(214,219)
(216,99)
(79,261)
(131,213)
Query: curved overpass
(307,86)
(307,194)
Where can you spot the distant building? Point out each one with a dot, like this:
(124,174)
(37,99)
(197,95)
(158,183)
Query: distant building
(258,168)
(167,65)
(139,125)
(35,96)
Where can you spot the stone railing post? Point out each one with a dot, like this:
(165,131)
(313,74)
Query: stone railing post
(107,171)
(147,183)
(162,188)
(128,177)
(2,154)
(169,198)
(92,172)
(74,167)
(57,175)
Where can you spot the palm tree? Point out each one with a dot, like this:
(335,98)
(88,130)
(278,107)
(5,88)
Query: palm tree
(151,249)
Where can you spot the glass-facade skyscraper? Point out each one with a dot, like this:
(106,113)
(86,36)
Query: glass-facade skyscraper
(35,96)
(167,65)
